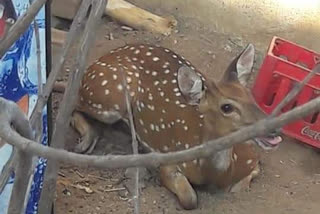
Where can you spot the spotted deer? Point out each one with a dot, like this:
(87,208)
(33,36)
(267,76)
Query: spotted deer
(175,107)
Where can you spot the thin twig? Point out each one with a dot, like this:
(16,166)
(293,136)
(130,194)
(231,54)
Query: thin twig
(294,91)
(20,26)
(114,189)
(260,128)
(75,30)
(134,144)
(69,99)
(38,126)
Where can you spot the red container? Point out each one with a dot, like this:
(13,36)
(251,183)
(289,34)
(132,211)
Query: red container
(285,64)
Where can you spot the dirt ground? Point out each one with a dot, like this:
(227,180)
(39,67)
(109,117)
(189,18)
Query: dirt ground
(290,178)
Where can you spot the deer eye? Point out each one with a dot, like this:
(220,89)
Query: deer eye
(227,108)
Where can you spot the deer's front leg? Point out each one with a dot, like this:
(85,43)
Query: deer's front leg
(89,136)
(176,182)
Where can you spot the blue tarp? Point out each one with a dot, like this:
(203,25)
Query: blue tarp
(18,82)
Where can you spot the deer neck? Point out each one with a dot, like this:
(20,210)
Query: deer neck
(222,160)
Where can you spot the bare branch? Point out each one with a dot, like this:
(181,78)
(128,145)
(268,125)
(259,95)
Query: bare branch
(20,162)
(20,26)
(38,126)
(70,98)
(134,145)
(295,90)
(13,116)
(155,159)
(72,35)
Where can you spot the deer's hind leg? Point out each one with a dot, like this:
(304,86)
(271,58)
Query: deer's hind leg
(89,133)
(173,179)
(89,136)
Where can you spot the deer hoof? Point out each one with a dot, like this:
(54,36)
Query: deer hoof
(87,144)
(188,199)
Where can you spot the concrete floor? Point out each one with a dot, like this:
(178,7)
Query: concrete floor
(255,21)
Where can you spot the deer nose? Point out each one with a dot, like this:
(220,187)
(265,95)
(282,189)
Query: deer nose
(275,133)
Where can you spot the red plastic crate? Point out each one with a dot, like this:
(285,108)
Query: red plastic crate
(285,64)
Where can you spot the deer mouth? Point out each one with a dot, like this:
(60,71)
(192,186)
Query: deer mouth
(268,142)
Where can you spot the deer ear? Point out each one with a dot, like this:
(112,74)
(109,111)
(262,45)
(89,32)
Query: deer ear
(190,84)
(241,67)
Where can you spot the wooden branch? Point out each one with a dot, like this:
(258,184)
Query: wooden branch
(20,26)
(19,161)
(155,159)
(71,36)
(31,161)
(295,90)
(135,178)
(70,98)
(11,113)
(138,18)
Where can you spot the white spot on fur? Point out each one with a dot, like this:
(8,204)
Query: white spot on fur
(155,59)
(165,148)
(235,157)
(120,87)
(141,122)
(183,105)
(151,107)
